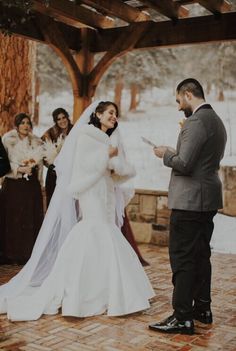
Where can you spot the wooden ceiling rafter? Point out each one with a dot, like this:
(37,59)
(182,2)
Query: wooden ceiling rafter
(72,14)
(118,9)
(168,8)
(215,6)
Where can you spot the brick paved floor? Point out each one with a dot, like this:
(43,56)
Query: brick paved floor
(131,332)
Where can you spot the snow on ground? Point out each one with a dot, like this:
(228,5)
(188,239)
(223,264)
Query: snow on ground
(158,119)
(223,239)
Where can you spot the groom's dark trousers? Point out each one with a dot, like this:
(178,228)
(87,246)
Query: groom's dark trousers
(189,250)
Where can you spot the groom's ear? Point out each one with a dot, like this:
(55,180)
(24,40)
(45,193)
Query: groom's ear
(188,95)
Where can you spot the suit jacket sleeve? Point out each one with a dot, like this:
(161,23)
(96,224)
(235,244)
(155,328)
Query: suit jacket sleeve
(192,138)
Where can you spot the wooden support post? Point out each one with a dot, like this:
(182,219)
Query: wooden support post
(85,61)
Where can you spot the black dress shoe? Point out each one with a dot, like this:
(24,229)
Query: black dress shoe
(203,317)
(173,325)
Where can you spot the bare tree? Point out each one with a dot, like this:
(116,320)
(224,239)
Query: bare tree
(17,71)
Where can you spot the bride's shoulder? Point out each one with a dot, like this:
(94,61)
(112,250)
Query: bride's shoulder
(83,129)
(93,132)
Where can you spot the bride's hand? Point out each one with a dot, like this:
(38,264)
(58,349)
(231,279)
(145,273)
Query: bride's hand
(113,151)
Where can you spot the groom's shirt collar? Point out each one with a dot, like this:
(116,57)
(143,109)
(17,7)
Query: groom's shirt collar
(199,106)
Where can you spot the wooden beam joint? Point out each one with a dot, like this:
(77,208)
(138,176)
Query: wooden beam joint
(55,39)
(124,43)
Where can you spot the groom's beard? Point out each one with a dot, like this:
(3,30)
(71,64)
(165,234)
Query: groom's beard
(187,111)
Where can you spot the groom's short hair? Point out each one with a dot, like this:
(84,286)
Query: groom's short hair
(192,85)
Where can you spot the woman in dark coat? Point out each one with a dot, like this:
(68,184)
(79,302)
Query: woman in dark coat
(4,162)
(55,136)
(21,202)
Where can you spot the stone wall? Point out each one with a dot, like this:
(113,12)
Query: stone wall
(149,216)
(228,177)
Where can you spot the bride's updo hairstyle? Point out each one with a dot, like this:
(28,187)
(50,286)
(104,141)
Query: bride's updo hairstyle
(101,107)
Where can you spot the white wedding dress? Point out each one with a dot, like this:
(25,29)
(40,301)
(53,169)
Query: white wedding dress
(96,270)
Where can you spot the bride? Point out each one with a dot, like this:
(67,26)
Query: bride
(81,262)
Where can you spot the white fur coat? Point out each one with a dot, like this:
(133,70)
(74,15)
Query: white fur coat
(91,160)
(18,150)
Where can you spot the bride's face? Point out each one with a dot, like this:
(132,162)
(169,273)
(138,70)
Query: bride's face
(108,118)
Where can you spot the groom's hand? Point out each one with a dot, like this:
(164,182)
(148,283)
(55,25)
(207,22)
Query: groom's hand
(159,151)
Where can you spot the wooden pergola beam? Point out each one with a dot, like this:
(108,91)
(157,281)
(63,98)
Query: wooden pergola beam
(85,61)
(118,9)
(73,15)
(167,8)
(215,6)
(204,29)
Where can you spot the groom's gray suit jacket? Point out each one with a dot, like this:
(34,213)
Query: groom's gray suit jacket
(194,183)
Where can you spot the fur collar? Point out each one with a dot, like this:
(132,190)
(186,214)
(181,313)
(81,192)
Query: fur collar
(55,132)
(94,133)
(11,138)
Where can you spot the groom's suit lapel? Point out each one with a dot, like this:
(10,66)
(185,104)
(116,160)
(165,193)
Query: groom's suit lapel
(203,107)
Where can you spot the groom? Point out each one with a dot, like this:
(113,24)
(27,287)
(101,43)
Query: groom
(195,195)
